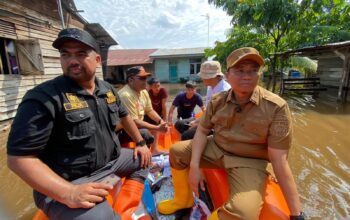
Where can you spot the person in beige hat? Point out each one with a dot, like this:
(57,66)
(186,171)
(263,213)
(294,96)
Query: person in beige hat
(213,78)
(252,136)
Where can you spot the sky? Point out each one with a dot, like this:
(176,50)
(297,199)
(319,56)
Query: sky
(145,24)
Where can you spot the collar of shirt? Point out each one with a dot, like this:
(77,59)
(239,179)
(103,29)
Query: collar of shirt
(100,88)
(254,98)
(133,92)
(219,87)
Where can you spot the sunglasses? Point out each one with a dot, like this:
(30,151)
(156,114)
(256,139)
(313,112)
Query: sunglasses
(143,78)
(243,73)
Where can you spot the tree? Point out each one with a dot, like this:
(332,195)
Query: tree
(271,18)
(321,22)
(239,37)
(278,25)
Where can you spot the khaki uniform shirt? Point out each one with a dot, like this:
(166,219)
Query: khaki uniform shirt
(263,122)
(137,104)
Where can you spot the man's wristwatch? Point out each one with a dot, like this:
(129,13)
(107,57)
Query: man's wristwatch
(301,216)
(140,143)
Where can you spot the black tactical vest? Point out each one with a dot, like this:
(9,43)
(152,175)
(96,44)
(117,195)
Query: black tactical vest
(73,149)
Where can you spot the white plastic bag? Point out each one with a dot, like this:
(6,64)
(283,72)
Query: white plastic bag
(200,210)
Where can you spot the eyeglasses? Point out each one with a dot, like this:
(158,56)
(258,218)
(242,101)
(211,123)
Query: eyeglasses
(241,73)
(143,78)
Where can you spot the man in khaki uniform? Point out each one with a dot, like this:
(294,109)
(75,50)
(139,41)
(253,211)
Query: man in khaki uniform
(252,131)
(138,103)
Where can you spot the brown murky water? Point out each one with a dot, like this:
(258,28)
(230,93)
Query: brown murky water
(320,160)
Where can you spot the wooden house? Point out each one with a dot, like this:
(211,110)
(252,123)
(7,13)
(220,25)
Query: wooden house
(333,65)
(27,30)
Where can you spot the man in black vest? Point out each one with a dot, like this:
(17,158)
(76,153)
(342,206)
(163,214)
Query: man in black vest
(63,141)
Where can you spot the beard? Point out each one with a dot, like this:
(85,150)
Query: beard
(78,73)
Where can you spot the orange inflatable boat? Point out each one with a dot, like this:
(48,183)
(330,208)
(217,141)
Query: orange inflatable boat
(275,206)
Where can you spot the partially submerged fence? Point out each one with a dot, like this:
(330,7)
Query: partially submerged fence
(311,84)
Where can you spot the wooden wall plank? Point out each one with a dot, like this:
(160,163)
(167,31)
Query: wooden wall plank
(31,23)
(7,115)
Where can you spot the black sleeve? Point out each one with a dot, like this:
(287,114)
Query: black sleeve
(122,110)
(30,129)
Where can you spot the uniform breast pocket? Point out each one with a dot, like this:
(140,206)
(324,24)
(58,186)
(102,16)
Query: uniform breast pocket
(75,166)
(220,120)
(257,128)
(79,124)
(113,114)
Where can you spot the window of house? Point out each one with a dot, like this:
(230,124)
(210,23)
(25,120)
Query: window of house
(18,56)
(195,65)
(8,63)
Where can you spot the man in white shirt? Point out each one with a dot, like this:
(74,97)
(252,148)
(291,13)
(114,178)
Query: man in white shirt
(213,78)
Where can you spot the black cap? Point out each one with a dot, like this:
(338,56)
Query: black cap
(191,84)
(75,34)
(152,81)
(136,71)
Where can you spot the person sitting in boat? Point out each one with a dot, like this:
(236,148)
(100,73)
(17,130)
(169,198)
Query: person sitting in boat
(252,131)
(159,97)
(213,78)
(185,102)
(63,142)
(138,103)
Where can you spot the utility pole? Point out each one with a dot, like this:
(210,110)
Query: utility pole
(208,18)
(60,11)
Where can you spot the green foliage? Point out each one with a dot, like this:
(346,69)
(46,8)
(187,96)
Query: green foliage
(271,18)
(304,65)
(321,22)
(239,37)
(277,25)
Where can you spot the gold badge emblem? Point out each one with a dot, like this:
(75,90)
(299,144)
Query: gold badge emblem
(74,103)
(111,98)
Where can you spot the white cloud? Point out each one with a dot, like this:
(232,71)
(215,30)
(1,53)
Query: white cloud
(157,23)
(167,20)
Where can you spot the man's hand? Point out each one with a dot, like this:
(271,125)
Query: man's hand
(163,127)
(146,155)
(86,195)
(195,178)
(193,123)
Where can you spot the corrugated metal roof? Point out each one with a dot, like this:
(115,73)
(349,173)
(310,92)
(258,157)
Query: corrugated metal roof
(129,57)
(100,34)
(310,49)
(199,51)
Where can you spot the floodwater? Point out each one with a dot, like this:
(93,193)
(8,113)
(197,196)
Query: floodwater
(319,159)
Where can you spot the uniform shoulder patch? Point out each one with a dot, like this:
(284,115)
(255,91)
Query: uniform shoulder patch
(280,126)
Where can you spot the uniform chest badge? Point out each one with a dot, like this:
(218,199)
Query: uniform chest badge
(111,98)
(74,102)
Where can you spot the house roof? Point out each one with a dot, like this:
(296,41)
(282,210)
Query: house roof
(129,57)
(100,34)
(312,49)
(183,52)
